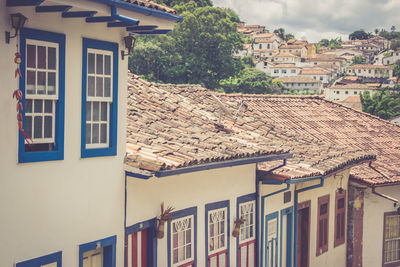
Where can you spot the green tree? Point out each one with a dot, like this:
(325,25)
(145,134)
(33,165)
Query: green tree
(324,42)
(393,28)
(384,104)
(359,35)
(199,50)
(178,3)
(358,60)
(396,71)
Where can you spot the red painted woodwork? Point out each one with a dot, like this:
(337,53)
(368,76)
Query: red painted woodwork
(247,246)
(303,234)
(340,217)
(217,255)
(134,250)
(322,225)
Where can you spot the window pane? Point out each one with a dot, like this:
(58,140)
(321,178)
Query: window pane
(38,106)
(38,126)
(104,109)
(88,133)
(341,203)
(107,87)
(188,236)
(95,134)
(107,65)
(41,89)
(323,209)
(99,86)
(48,127)
(51,83)
(103,133)
(90,86)
(48,106)
(28,125)
(31,56)
(96,111)
(188,251)
(91,63)
(99,64)
(28,106)
(30,82)
(88,111)
(41,57)
(52,58)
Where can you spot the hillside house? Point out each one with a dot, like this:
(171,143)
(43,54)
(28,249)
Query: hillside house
(301,84)
(268,36)
(286,58)
(317,73)
(266,44)
(62,188)
(341,92)
(297,50)
(283,70)
(371,73)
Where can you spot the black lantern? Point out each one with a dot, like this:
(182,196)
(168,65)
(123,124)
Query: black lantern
(129,44)
(17,22)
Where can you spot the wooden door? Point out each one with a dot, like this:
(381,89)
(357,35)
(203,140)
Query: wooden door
(303,235)
(137,249)
(93,258)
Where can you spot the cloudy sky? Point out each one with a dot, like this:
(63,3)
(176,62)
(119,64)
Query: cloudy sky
(317,19)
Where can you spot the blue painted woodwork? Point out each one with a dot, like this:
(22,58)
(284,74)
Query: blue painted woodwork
(137,175)
(152,32)
(78,14)
(273,245)
(288,212)
(112,149)
(240,200)
(37,262)
(99,19)
(58,150)
(24,2)
(179,214)
(142,28)
(223,164)
(213,206)
(109,250)
(120,24)
(59,8)
(116,16)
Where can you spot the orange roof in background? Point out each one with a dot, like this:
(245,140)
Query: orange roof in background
(293,66)
(368,66)
(352,99)
(314,71)
(269,41)
(298,79)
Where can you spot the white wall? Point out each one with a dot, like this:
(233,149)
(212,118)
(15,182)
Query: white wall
(374,209)
(51,206)
(185,191)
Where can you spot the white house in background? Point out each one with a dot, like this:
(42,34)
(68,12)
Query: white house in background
(298,50)
(265,54)
(388,58)
(341,92)
(370,71)
(283,70)
(268,44)
(267,36)
(286,58)
(62,196)
(317,73)
(301,84)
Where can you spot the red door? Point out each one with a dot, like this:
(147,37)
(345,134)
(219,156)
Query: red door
(137,249)
(247,255)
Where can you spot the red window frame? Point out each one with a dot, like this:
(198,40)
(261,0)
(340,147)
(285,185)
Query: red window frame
(247,245)
(217,254)
(340,219)
(322,226)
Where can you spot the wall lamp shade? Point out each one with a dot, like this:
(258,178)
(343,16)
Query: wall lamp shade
(17,22)
(129,45)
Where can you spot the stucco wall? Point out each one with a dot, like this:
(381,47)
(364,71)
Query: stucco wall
(185,191)
(51,206)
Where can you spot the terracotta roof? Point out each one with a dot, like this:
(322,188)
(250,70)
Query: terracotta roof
(297,79)
(314,71)
(151,4)
(286,55)
(358,86)
(350,78)
(337,125)
(367,66)
(173,126)
(268,41)
(287,66)
(352,99)
(291,46)
(266,35)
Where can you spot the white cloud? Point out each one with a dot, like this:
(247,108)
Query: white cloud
(316,19)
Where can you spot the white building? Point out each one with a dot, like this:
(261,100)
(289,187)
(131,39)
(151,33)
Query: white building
(317,73)
(283,70)
(286,58)
(301,84)
(262,44)
(62,197)
(370,71)
(341,92)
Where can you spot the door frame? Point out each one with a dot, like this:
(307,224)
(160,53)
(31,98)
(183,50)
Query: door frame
(269,217)
(289,236)
(109,250)
(300,206)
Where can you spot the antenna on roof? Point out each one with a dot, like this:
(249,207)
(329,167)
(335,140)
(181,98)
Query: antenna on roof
(222,109)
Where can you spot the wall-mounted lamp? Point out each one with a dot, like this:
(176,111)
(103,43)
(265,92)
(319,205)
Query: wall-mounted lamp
(129,44)
(17,22)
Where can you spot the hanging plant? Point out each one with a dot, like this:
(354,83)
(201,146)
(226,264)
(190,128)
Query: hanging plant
(236,229)
(166,216)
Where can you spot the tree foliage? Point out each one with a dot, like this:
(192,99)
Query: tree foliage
(333,43)
(283,35)
(358,60)
(384,104)
(360,35)
(199,50)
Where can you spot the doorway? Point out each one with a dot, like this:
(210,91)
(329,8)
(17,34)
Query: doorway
(303,234)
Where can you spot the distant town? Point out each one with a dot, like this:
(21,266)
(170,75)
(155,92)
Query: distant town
(339,73)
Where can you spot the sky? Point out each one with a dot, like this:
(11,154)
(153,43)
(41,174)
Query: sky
(313,20)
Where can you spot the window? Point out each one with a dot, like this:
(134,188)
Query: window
(391,239)
(355,92)
(247,230)
(43,69)
(52,260)
(276,71)
(323,224)
(337,92)
(346,92)
(247,237)
(99,103)
(217,232)
(293,71)
(284,71)
(98,253)
(260,46)
(340,218)
(181,238)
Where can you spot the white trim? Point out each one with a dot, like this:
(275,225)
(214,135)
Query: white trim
(217,234)
(247,204)
(184,228)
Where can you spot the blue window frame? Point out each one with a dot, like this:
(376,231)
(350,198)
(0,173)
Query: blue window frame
(271,239)
(217,222)
(107,247)
(99,98)
(43,87)
(48,259)
(186,221)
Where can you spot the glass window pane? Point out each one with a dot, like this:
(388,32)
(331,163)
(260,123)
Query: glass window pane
(103,133)
(188,251)
(99,86)
(88,133)
(99,64)
(41,88)
(90,86)
(28,125)
(52,58)
(48,106)
(96,111)
(28,106)
(107,87)
(91,63)
(30,82)
(38,127)
(104,110)
(31,56)
(48,126)
(88,111)
(188,236)
(41,57)
(107,65)
(38,106)
(95,134)
(51,83)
